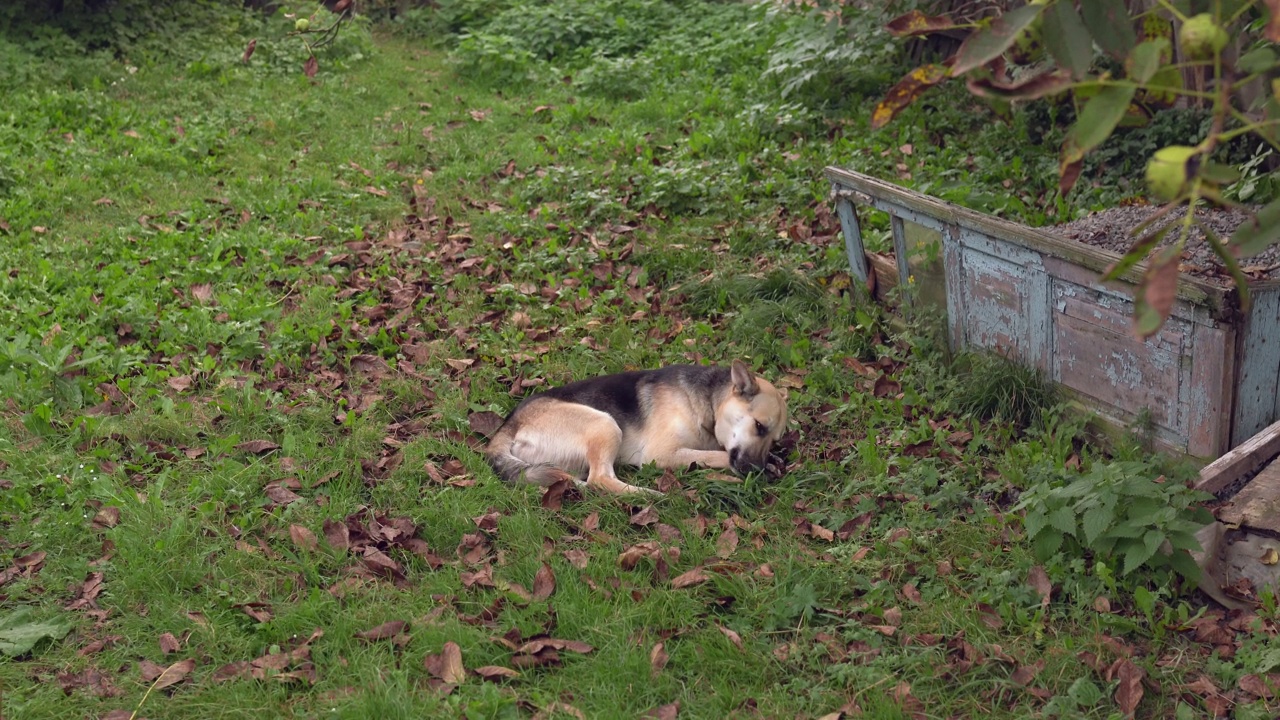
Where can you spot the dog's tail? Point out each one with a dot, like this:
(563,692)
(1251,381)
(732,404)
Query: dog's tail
(515,469)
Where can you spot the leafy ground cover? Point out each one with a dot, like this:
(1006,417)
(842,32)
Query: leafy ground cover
(256,324)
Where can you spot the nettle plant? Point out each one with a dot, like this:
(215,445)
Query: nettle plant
(1120,511)
(1118,68)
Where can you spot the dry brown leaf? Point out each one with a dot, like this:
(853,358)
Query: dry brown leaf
(1025,674)
(646,516)
(303,538)
(485,423)
(727,543)
(386,630)
(169,644)
(665,712)
(893,616)
(174,674)
(447,665)
(1129,690)
(257,447)
(657,659)
(734,637)
(1038,579)
(180,383)
(689,578)
(544,583)
(494,672)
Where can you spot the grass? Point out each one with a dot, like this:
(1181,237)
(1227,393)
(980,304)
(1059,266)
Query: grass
(204,254)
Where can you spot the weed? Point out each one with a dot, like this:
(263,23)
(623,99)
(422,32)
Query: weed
(994,387)
(1119,512)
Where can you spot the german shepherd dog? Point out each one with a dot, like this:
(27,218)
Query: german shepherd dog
(674,416)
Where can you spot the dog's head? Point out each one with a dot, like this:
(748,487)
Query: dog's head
(750,419)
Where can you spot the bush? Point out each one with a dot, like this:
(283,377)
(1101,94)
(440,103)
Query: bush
(1119,513)
(498,59)
(137,29)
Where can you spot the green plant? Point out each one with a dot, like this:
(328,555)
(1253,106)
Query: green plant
(828,65)
(495,59)
(1117,511)
(991,386)
(1137,69)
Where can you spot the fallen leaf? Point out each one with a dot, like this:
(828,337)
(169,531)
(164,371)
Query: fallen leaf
(174,674)
(577,558)
(1025,674)
(259,611)
(1129,690)
(989,616)
(107,517)
(553,496)
(311,67)
(257,447)
(734,637)
(910,592)
(485,423)
(447,665)
(691,577)
(337,534)
(303,538)
(1039,581)
(493,672)
(657,659)
(646,516)
(386,630)
(544,583)
(248,50)
(665,712)
(202,292)
(180,383)
(727,543)
(169,644)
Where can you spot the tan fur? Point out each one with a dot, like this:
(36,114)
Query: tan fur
(548,439)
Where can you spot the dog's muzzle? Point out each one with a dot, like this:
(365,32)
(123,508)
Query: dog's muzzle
(743,463)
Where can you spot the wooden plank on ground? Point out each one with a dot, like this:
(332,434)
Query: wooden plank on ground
(1250,456)
(1257,505)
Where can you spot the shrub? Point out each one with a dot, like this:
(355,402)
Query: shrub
(1117,511)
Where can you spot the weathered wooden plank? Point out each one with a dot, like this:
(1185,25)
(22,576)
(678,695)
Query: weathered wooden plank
(1116,317)
(885,268)
(1259,367)
(881,193)
(997,310)
(852,231)
(953,269)
(1210,390)
(1117,370)
(1257,505)
(1244,459)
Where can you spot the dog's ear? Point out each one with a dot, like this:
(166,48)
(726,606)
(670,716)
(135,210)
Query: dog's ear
(744,381)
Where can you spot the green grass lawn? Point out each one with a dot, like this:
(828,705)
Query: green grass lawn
(248,319)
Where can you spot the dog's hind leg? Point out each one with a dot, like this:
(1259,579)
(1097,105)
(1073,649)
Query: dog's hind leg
(602,439)
(554,435)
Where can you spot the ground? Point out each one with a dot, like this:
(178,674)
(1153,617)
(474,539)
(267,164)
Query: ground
(257,325)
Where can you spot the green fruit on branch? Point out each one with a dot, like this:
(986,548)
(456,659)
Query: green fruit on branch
(302,25)
(1201,37)
(1169,171)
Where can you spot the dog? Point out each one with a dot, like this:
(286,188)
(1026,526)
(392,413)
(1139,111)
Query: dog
(674,416)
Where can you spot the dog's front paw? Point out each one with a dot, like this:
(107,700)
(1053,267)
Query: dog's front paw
(775,467)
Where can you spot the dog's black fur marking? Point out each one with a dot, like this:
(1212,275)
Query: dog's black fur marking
(619,394)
